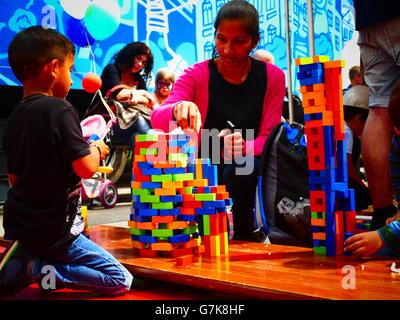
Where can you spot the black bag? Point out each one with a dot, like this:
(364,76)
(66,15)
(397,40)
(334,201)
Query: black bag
(282,204)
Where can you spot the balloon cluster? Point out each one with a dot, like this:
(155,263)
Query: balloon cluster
(91,20)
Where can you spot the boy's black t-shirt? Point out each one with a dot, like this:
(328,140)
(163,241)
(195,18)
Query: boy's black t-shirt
(42,137)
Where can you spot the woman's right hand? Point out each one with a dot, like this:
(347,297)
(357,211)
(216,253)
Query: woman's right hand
(187,115)
(136,96)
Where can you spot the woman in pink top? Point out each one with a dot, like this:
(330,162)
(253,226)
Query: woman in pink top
(232,90)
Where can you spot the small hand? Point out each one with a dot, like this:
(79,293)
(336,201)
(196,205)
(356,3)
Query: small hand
(394,218)
(233,144)
(187,115)
(141,96)
(104,149)
(364,244)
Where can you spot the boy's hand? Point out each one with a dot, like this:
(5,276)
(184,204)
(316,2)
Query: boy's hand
(103,148)
(364,244)
(394,218)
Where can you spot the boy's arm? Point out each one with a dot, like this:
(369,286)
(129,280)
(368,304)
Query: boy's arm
(351,172)
(87,166)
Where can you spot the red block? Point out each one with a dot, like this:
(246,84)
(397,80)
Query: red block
(214,224)
(181,252)
(317,201)
(184,260)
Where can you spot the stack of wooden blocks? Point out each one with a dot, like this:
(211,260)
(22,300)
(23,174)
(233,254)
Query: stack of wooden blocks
(178,207)
(333,216)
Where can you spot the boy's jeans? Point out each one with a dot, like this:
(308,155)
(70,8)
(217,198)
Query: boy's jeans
(86,266)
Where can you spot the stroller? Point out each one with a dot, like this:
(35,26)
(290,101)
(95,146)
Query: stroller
(95,128)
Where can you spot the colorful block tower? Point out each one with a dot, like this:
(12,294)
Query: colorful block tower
(332,203)
(178,207)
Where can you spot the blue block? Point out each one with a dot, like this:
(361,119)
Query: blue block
(195,235)
(145,165)
(206,189)
(311,66)
(189,149)
(177,143)
(341,155)
(228,202)
(313,116)
(169,212)
(177,198)
(178,239)
(319,243)
(186,217)
(174,170)
(191,168)
(330,226)
(134,217)
(330,244)
(347,204)
(317,229)
(147,239)
(134,237)
(214,204)
(138,205)
(323,177)
(146,212)
(179,136)
(205,211)
(212,175)
(151,185)
(149,172)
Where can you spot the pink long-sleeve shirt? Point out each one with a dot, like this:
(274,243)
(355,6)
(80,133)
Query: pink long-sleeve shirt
(192,86)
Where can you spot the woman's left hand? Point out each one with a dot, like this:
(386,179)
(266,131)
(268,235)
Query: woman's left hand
(233,144)
(142,96)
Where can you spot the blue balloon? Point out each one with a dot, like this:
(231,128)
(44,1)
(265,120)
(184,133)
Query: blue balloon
(77,33)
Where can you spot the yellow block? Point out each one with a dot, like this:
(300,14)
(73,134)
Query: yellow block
(224,242)
(301,61)
(335,64)
(172,184)
(197,183)
(165,192)
(320,59)
(199,169)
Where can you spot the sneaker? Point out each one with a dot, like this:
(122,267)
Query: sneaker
(14,270)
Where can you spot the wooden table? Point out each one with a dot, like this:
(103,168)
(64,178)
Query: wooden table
(262,271)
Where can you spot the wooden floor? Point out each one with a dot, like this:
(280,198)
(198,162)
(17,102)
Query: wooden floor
(250,271)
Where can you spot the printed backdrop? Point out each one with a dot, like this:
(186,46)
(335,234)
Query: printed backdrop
(179,32)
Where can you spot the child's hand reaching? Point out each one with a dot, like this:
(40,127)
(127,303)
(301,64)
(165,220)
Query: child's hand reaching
(364,244)
(394,218)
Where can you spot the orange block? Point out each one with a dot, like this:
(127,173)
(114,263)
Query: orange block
(184,260)
(199,250)
(162,246)
(177,225)
(318,222)
(319,236)
(165,192)
(192,243)
(315,109)
(188,197)
(311,99)
(327,118)
(132,224)
(188,211)
(335,64)
(172,184)
(146,225)
(162,219)
(136,185)
(138,245)
(139,158)
(196,183)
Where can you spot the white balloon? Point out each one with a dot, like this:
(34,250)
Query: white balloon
(75,8)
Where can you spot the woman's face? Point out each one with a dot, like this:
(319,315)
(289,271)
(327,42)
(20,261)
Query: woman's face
(139,62)
(164,87)
(233,42)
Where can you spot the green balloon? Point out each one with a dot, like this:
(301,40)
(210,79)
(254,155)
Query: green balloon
(102,19)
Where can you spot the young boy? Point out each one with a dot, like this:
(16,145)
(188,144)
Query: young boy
(386,240)
(46,159)
(355,103)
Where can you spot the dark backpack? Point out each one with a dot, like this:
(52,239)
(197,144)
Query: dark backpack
(282,204)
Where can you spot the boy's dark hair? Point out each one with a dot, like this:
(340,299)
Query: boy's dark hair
(353,71)
(350,112)
(35,46)
(124,59)
(239,10)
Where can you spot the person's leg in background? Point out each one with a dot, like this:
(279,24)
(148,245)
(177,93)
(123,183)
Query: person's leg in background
(380,48)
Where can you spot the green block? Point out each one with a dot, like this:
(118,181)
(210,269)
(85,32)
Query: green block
(149,199)
(147,137)
(191,229)
(141,192)
(162,205)
(183,176)
(320,250)
(148,151)
(137,232)
(205,197)
(206,225)
(161,177)
(189,190)
(162,233)
(317,215)
(177,156)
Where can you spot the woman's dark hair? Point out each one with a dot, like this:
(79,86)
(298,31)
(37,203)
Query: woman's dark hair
(239,10)
(124,59)
(35,46)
